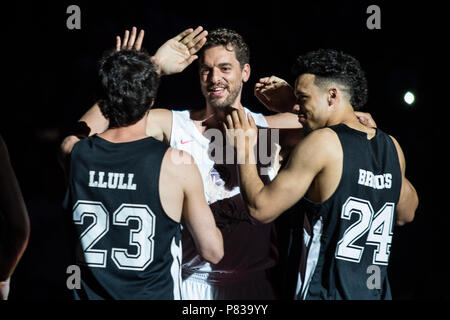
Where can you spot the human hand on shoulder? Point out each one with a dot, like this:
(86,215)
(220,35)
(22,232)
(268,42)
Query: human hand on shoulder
(366,119)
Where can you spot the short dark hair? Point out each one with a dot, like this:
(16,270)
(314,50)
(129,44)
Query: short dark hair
(331,65)
(129,83)
(226,37)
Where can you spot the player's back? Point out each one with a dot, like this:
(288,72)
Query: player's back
(348,237)
(127,246)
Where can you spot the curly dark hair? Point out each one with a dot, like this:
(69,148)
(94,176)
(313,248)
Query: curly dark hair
(330,65)
(226,37)
(129,83)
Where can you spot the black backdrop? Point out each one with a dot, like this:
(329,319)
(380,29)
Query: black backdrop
(50,76)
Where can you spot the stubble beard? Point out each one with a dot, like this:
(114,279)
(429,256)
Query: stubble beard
(229,100)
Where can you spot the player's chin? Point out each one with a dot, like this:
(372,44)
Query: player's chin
(219,103)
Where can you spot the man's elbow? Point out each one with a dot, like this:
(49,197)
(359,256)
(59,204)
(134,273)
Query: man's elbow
(260,215)
(401,222)
(213,255)
(65,149)
(407,215)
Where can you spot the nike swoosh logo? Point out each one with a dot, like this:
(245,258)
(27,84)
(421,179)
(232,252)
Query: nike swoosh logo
(184,142)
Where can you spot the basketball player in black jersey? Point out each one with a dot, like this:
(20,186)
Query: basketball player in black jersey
(346,178)
(14,221)
(128,192)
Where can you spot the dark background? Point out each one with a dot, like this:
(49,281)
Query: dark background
(50,75)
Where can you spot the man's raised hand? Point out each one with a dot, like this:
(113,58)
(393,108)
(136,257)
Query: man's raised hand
(179,52)
(130,42)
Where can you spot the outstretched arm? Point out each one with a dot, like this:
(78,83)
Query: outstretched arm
(172,57)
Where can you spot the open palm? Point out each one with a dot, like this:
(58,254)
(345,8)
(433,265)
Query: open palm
(174,55)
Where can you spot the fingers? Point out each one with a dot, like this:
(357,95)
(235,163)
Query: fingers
(251,121)
(366,119)
(132,39)
(193,39)
(126,36)
(183,34)
(236,120)
(118,43)
(229,122)
(139,40)
(198,42)
(188,38)
(242,119)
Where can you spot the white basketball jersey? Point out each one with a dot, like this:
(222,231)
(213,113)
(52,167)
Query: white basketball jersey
(185,136)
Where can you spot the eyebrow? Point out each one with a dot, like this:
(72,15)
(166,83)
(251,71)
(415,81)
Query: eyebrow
(300,93)
(224,64)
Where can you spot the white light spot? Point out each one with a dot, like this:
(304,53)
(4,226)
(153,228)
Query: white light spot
(409,97)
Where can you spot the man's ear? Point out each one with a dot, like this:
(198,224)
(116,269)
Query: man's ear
(152,103)
(246,72)
(334,96)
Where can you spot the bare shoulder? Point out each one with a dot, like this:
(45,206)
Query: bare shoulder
(318,148)
(322,140)
(159,114)
(159,117)
(159,124)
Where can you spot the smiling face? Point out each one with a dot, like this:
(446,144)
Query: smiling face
(221,77)
(312,105)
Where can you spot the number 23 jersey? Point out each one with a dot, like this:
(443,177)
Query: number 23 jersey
(126,245)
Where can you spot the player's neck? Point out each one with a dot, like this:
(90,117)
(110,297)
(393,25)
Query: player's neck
(219,114)
(129,133)
(347,116)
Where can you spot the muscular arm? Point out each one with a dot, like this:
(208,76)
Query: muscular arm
(15,226)
(197,214)
(267,202)
(409,200)
(182,196)
(308,158)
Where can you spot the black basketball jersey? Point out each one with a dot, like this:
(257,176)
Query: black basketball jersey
(347,238)
(126,245)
